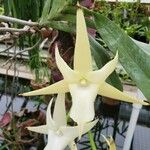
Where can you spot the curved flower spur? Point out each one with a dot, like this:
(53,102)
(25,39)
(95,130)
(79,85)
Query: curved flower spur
(83,83)
(59,134)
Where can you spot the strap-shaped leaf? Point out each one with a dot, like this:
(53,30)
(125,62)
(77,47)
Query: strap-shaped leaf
(135,61)
(144,46)
(59,114)
(46,10)
(57,7)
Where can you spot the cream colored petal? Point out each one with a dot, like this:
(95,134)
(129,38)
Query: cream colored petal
(59,115)
(83,97)
(102,74)
(67,72)
(89,126)
(56,141)
(82,54)
(64,136)
(73,146)
(109,91)
(39,129)
(49,121)
(72,132)
(81,128)
(59,87)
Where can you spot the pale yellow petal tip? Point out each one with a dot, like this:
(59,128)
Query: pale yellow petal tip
(142,102)
(56,48)
(78,4)
(112,145)
(21,94)
(35,129)
(147,103)
(31,93)
(85,127)
(30,128)
(116,57)
(57,55)
(25,94)
(94,122)
(73,146)
(79,10)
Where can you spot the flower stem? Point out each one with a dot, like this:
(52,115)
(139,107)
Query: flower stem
(92,143)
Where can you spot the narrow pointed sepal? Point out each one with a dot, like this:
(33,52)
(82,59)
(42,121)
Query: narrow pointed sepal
(59,115)
(50,124)
(80,126)
(73,132)
(88,126)
(73,146)
(103,73)
(82,54)
(111,92)
(39,129)
(58,87)
(67,72)
(49,121)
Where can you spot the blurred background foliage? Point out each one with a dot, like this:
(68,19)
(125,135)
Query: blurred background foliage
(132,17)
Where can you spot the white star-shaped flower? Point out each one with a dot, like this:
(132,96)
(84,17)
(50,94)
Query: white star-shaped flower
(82,82)
(59,134)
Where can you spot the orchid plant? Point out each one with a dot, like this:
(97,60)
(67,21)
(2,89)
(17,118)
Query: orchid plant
(83,84)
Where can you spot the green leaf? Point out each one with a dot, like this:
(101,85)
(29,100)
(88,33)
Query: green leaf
(101,57)
(135,61)
(63,26)
(54,10)
(46,10)
(57,7)
(145,47)
(6,7)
